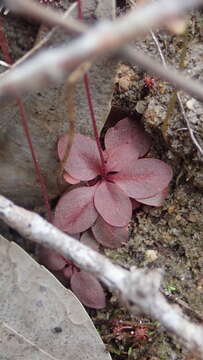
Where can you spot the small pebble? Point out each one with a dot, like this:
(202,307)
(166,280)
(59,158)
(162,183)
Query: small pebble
(151,255)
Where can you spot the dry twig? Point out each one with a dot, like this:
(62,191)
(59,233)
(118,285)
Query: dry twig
(140,288)
(104,38)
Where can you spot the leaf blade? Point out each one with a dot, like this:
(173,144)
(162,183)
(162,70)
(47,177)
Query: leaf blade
(127,131)
(117,156)
(156,200)
(83,162)
(51,259)
(88,289)
(146,178)
(113,204)
(109,236)
(75,211)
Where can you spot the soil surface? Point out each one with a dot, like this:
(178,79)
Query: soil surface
(169,237)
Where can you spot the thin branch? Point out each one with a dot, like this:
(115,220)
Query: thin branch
(44,40)
(136,21)
(156,41)
(194,88)
(140,287)
(104,38)
(5,64)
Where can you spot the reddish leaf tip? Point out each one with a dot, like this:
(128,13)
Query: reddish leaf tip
(88,290)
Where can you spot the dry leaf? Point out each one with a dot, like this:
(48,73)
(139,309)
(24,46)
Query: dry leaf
(40,319)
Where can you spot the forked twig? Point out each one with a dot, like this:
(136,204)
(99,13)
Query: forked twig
(104,38)
(140,288)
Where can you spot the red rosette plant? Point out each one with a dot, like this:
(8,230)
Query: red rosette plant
(107,194)
(109,184)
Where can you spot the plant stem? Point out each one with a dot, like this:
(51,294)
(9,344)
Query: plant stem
(94,124)
(34,158)
(6,54)
(90,104)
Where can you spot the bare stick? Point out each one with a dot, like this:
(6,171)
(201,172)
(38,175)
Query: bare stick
(139,287)
(158,48)
(51,65)
(106,37)
(172,76)
(44,41)
(137,21)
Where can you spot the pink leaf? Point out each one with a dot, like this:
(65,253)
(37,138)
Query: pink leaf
(143,179)
(75,211)
(88,239)
(109,236)
(117,156)
(71,180)
(68,271)
(51,259)
(83,162)
(156,200)
(113,204)
(127,131)
(88,289)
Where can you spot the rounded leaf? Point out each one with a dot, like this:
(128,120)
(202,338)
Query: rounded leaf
(51,259)
(75,211)
(116,157)
(88,289)
(71,180)
(113,204)
(156,200)
(68,271)
(128,131)
(109,236)
(143,179)
(83,162)
(88,239)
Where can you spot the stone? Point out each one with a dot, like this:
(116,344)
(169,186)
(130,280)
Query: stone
(47,116)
